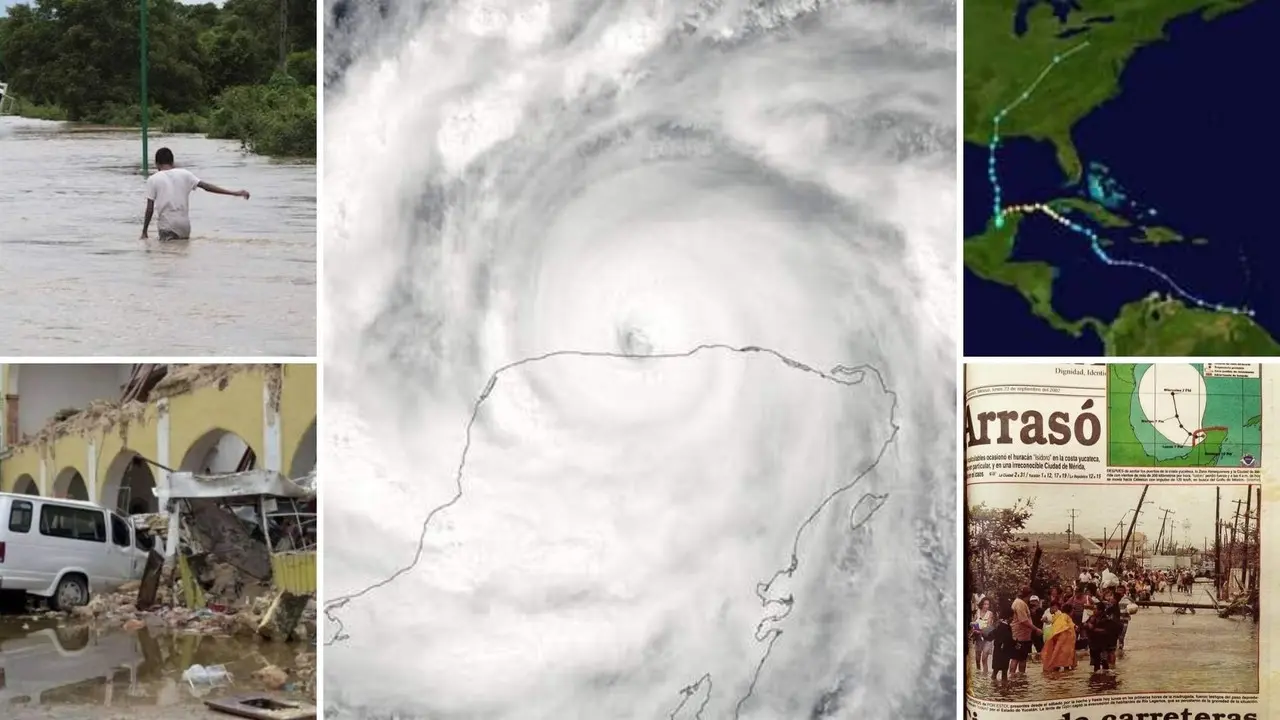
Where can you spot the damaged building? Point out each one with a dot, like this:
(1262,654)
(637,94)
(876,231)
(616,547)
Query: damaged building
(213,467)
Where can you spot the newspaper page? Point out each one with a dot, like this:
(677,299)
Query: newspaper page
(1113,552)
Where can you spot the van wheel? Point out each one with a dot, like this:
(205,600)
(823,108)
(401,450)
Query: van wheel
(72,592)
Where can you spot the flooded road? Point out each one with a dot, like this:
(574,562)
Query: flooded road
(1164,652)
(73,672)
(77,280)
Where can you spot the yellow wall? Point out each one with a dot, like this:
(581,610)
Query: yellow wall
(237,408)
(297,415)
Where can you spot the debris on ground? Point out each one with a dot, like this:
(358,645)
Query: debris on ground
(263,707)
(198,675)
(219,583)
(99,417)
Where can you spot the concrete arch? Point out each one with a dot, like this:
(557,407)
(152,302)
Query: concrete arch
(70,484)
(304,457)
(130,485)
(26,485)
(218,451)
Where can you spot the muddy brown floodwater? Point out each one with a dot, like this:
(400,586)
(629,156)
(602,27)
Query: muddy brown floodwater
(78,281)
(53,669)
(1164,652)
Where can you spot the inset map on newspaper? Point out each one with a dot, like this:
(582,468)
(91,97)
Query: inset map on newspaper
(1193,414)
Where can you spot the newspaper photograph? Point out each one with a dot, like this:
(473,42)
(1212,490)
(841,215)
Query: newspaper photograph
(1114,542)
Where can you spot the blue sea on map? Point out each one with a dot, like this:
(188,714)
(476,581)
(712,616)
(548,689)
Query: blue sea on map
(1007,326)
(1188,136)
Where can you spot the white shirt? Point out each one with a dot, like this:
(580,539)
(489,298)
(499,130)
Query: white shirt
(170,190)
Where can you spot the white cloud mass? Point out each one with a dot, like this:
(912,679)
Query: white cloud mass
(508,180)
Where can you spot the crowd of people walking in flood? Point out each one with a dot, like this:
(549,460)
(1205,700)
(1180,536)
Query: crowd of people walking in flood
(1055,630)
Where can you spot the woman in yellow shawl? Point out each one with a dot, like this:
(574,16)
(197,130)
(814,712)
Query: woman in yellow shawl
(1059,641)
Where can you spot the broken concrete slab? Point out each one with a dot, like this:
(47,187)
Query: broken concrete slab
(221,533)
(263,707)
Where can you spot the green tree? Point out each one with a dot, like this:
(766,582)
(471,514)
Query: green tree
(80,59)
(999,560)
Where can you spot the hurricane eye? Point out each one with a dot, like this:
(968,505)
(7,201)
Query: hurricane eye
(633,341)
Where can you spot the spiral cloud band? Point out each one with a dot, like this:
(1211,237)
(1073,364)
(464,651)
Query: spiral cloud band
(639,360)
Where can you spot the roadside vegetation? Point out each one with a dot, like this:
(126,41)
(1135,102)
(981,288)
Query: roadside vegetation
(245,70)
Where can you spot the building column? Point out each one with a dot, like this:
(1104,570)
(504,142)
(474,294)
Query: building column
(91,476)
(270,432)
(163,486)
(162,434)
(10,431)
(44,478)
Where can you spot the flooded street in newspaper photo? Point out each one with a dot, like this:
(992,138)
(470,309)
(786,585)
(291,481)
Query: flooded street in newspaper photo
(1115,589)
(1163,649)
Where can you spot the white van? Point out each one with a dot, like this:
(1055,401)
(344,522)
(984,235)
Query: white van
(64,549)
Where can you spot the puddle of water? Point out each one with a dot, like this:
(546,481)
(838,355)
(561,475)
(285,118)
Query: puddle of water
(1164,652)
(77,279)
(52,669)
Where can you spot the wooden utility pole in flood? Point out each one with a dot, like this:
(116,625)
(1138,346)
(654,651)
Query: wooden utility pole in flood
(1258,530)
(1137,511)
(1231,552)
(1244,566)
(1217,545)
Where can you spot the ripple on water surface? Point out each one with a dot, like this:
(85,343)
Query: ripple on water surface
(53,670)
(77,280)
(1164,652)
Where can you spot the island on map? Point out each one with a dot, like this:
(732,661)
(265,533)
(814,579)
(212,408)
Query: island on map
(1091,226)
(1184,415)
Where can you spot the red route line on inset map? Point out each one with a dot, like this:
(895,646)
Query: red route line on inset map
(1198,436)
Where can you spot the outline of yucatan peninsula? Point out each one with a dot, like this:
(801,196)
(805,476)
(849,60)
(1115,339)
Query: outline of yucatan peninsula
(1171,415)
(1025,65)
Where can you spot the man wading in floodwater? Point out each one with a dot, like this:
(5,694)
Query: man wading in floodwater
(168,191)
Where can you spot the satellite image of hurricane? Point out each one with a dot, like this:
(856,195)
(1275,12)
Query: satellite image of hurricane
(639,354)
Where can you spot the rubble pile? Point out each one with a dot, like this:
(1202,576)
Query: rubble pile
(201,592)
(100,416)
(180,379)
(225,614)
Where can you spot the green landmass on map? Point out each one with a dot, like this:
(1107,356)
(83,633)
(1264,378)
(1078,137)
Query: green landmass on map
(1158,235)
(1158,325)
(1231,422)
(1096,212)
(998,67)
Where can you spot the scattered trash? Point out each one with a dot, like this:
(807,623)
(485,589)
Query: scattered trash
(244,567)
(201,675)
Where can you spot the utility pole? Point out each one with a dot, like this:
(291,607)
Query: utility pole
(1137,511)
(1217,544)
(1163,520)
(1235,522)
(1244,567)
(142,63)
(1258,525)
(1074,513)
(284,35)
